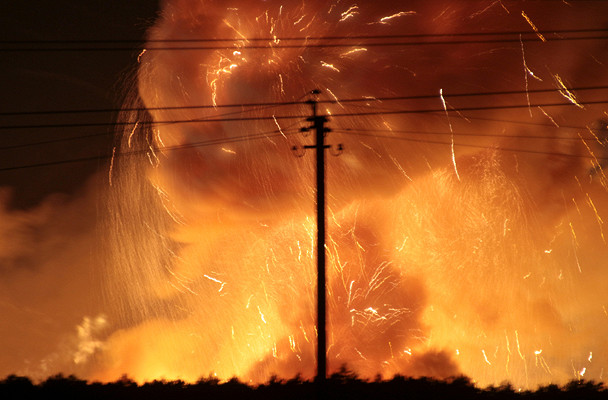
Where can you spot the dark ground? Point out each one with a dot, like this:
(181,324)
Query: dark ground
(343,385)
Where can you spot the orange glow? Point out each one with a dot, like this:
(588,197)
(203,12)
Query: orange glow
(460,241)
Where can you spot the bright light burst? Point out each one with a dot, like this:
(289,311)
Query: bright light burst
(471,245)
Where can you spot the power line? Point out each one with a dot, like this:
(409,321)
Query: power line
(538,152)
(306,38)
(307,45)
(349,130)
(168,108)
(291,117)
(282,133)
(213,142)
(295,102)
(458,134)
(52,141)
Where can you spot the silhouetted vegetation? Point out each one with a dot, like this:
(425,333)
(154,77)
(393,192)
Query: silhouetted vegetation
(342,385)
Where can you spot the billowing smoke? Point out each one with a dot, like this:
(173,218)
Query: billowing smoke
(50,268)
(465,233)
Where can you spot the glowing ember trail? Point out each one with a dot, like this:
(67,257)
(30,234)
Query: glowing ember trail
(497,272)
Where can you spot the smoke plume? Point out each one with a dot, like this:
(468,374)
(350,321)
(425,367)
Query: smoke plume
(465,221)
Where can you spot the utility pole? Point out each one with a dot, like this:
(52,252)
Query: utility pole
(318,124)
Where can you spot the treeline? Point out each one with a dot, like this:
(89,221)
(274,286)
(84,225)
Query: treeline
(342,385)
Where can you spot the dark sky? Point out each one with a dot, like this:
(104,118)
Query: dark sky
(56,80)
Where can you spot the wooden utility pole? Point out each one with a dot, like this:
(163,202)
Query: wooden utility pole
(318,124)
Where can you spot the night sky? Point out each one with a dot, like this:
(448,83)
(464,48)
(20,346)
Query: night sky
(54,81)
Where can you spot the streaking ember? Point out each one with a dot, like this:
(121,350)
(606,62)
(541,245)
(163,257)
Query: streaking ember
(465,218)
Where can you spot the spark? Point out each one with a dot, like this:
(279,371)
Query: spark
(600,222)
(262,315)
(225,21)
(445,108)
(226,69)
(377,280)
(175,287)
(474,15)
(212,279)
(304,332)
(330,66)
(590,356)
(548,116)
(592,132)
(132,133)
(292,343)
(307,26)
(540,359)
(213,85)
(485,357)
(540,36)
(334,96)
(225,150)
(164,199)
(279,126)
(351,12)
(360,354)
(281,82)
(576,245)
(152,154)
(575,241)
(350,293)
(508,353)
(527,71)
(190,290)
(597,165)
(384,20)
(140,55)
(578,210)
(400,169)
(159,139)
(367,146)
(563,90)
(518,346)
(353,51)
(299,251)
(222,284)
(111,165)
(299,20)
(400,249)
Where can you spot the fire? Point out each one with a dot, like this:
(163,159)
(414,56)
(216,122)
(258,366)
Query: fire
(463,238)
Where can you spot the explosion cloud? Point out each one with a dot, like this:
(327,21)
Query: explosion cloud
(465,218)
